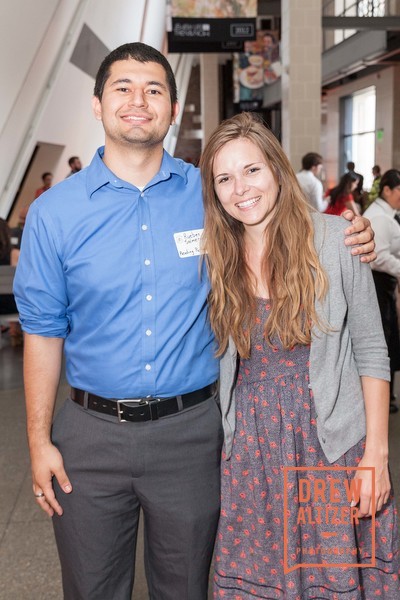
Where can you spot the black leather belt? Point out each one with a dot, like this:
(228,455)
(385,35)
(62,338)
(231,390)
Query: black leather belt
(141,409)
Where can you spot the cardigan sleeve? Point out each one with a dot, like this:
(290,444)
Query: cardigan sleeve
(363,315)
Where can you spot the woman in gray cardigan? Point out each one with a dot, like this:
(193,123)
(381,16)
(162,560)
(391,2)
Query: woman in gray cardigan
(304,386)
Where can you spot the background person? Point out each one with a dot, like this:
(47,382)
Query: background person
(9,256)
(75,165)
(358,191)
(310,182)
(16,232)
(373,194)
(312,384)
(47,179)
(386,268)
(341,197)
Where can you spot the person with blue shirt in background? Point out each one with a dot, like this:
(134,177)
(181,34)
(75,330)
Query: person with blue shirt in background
(109,275)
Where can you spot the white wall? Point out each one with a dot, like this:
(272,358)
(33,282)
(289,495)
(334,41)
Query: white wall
(44,97)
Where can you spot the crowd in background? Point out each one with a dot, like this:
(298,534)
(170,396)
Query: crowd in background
(380,205)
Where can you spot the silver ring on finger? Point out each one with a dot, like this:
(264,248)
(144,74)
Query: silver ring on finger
(39,495)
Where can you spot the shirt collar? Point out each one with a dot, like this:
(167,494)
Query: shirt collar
(386,207)
(98,174)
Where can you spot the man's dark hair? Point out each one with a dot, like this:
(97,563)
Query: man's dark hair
(46,175)
(391,178)
(140,52)
(310,160)
(376,170)
(351,166)
(72,160)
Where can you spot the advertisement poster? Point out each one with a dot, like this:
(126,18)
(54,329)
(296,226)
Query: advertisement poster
(213,8)
(257,66)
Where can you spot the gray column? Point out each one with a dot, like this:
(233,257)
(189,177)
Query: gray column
(301,48)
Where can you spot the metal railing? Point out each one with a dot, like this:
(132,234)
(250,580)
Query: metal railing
(355,10)
(358,8)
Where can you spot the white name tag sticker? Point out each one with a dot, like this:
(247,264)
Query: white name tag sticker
(188,242)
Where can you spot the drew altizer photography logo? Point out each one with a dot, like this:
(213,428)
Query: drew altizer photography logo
(319,505)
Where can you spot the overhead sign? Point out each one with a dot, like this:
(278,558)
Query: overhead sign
(210,35)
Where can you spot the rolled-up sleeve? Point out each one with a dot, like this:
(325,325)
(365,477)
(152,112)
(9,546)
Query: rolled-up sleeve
(39,284)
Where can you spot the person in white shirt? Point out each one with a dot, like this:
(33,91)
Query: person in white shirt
(309,181)
(386,268)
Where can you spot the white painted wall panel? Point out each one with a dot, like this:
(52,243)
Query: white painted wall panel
(23,26)
(49,98)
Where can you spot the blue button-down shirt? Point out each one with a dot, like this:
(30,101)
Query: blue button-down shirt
(102,266)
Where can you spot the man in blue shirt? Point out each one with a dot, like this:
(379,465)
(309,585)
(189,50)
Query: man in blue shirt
(109,272)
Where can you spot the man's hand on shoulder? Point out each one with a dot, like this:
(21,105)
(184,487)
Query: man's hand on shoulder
(360,235)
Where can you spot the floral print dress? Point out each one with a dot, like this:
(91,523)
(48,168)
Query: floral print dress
(272,517)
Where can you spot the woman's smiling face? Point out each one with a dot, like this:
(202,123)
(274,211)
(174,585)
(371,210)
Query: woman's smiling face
(244,183)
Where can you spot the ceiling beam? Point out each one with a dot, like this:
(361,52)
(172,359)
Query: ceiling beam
(362,23)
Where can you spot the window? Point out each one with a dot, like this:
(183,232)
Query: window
(371,8)
(346,8)
(358,132)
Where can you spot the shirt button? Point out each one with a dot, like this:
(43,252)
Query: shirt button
(148,367)
(149,297)
(309,386)
(147,262)
(148,332)
(144,227)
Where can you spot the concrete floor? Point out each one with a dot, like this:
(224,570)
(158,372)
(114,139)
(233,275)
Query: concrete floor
(29,568)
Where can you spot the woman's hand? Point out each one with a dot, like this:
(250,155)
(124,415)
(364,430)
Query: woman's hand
(366,507)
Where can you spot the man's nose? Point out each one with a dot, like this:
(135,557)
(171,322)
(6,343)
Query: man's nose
(138,98)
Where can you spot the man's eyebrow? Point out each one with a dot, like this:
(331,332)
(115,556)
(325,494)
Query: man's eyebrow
(129,81)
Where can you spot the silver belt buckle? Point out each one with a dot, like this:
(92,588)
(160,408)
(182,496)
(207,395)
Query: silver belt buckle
(137,401)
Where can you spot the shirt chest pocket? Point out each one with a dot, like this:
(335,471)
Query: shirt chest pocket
(188,272)
(179,263)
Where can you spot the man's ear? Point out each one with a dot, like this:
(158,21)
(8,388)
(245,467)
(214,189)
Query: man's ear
(96,107)
(174,112)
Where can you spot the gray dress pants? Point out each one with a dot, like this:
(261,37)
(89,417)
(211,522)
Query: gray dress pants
(171,469)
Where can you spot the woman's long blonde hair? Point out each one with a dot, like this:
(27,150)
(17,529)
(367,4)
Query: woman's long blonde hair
(290,263)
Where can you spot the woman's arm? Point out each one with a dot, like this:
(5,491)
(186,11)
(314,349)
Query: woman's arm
(376,398)
(370,353)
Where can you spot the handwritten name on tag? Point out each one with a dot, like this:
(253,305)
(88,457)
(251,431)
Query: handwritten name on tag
(188,242)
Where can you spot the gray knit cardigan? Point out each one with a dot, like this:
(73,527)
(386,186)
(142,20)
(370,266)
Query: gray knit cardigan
(355,347)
